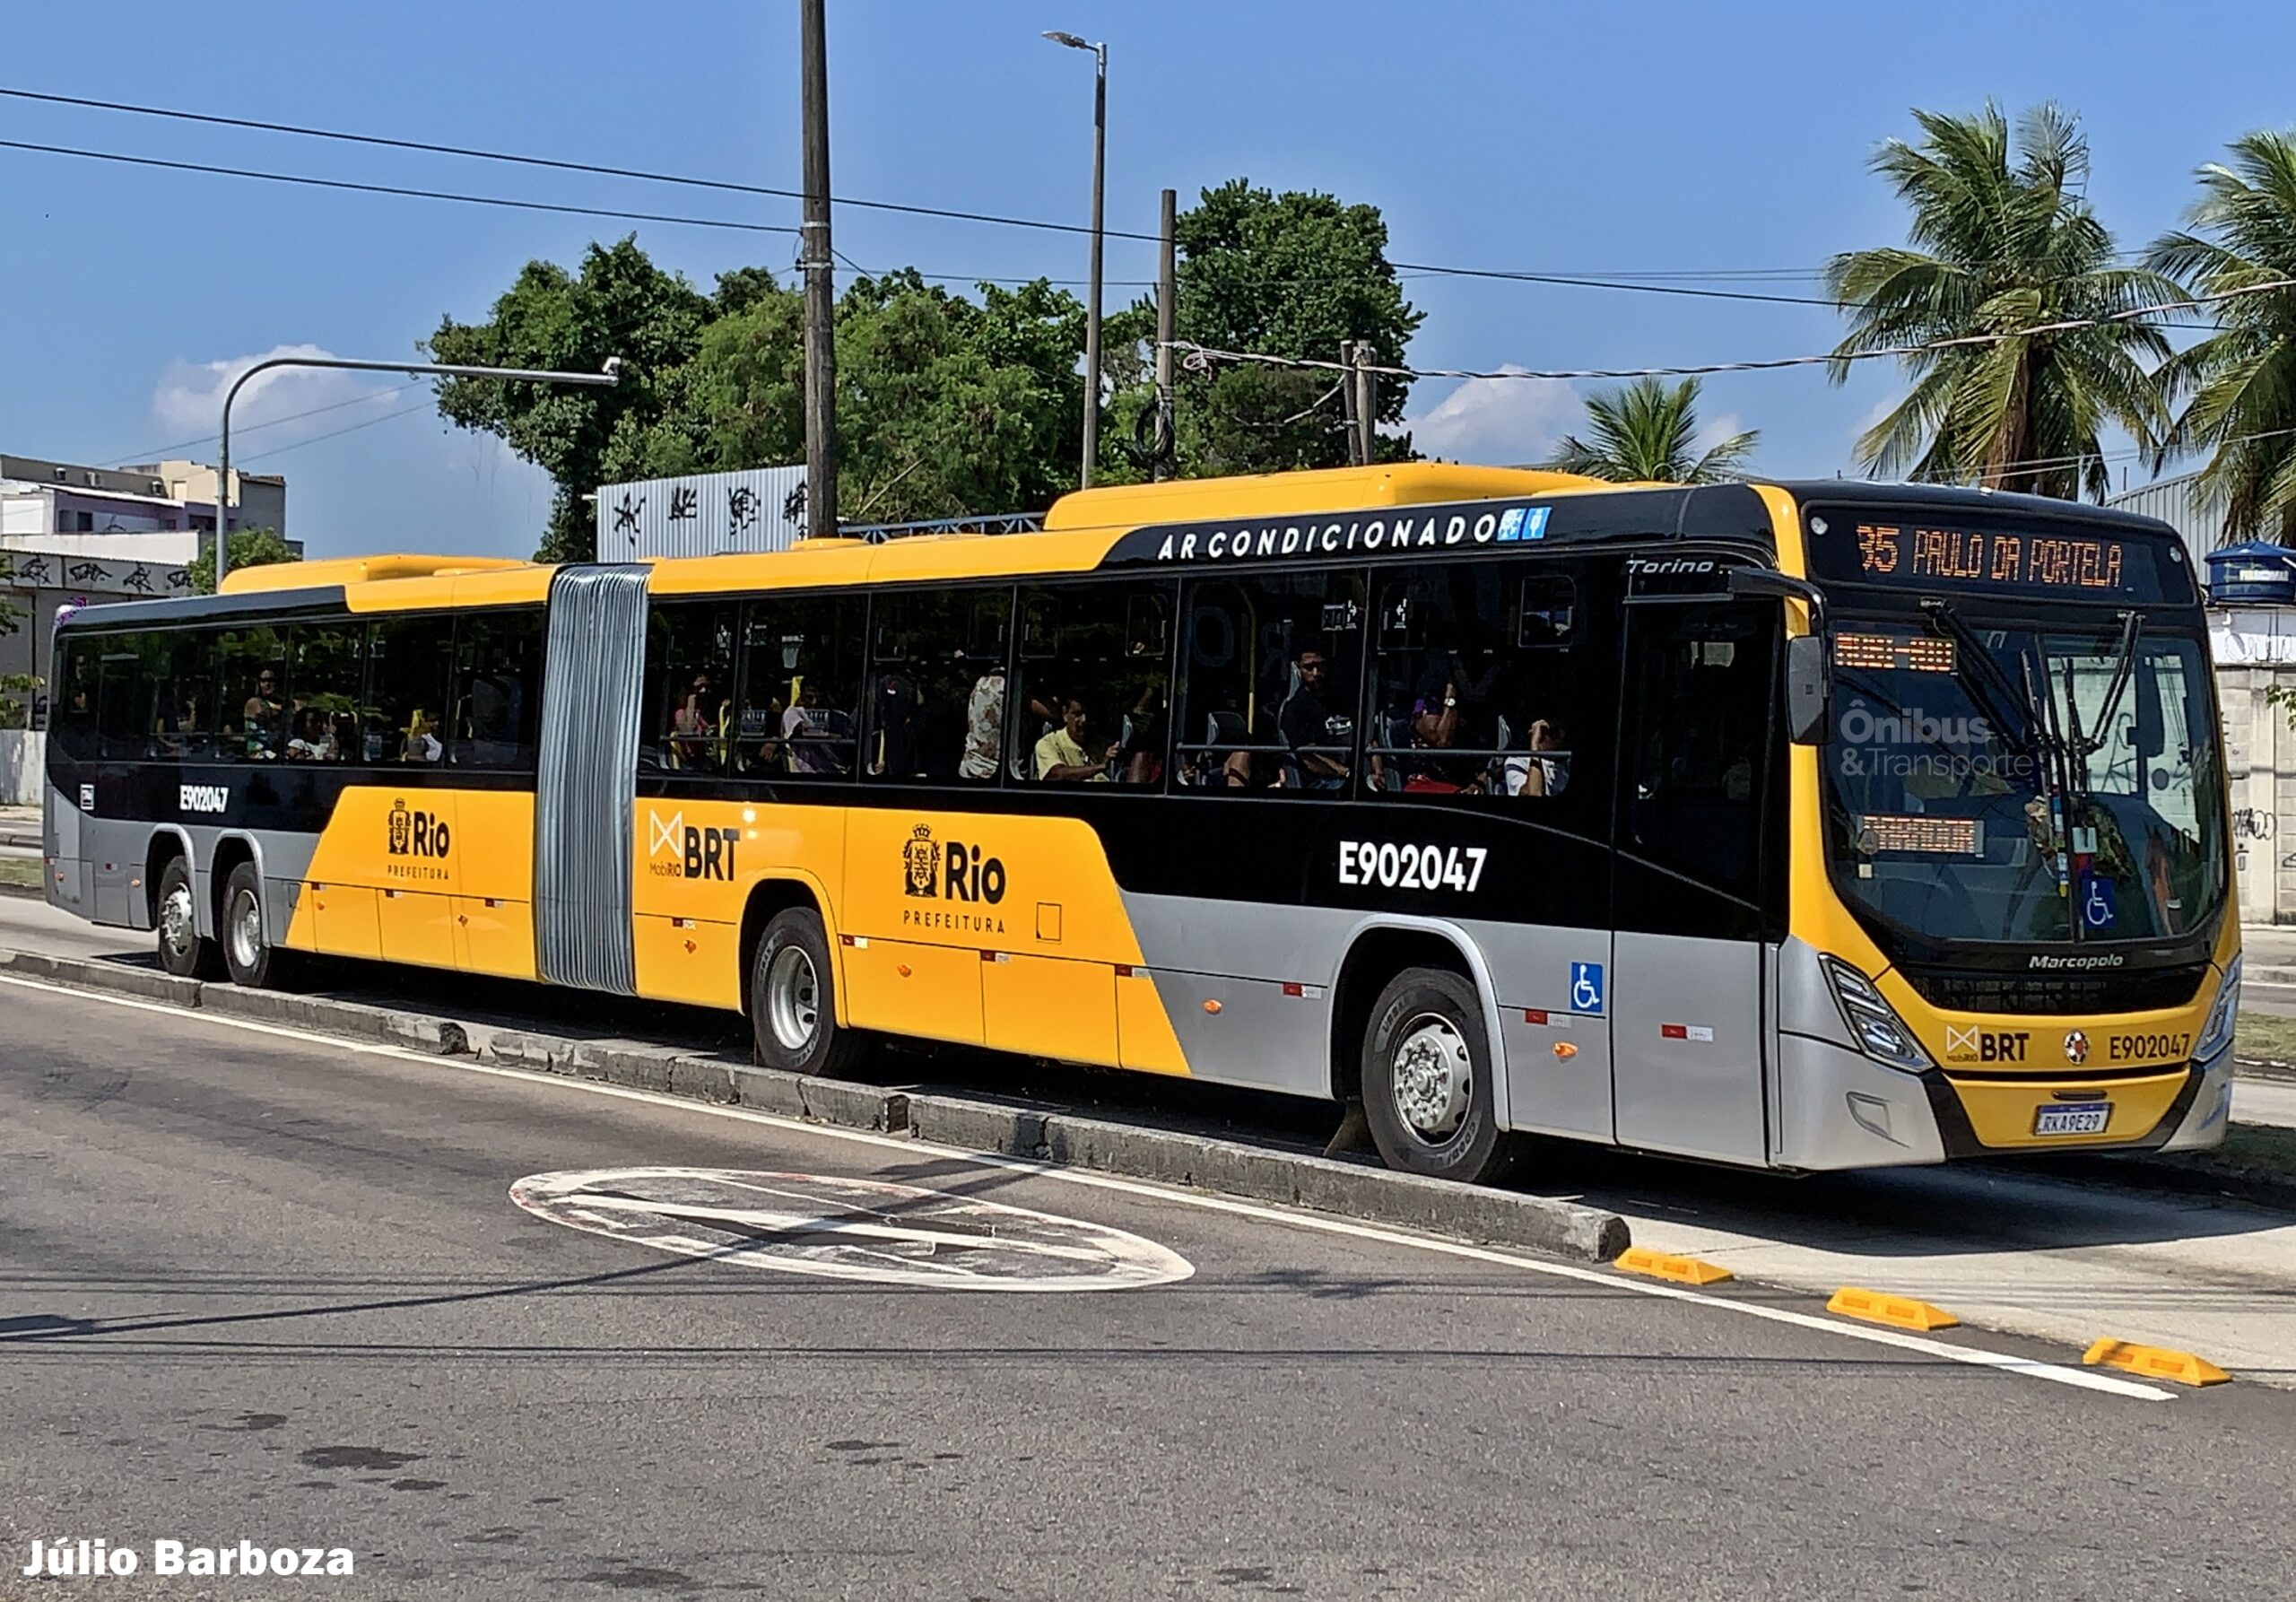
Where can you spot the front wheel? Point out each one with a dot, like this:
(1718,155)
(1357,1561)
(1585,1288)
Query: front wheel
(175,909)
(252,960)
(1427,1080)
(793,999)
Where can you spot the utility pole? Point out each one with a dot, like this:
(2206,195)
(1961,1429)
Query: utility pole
(1366,404)
(1349,360)
(1168,322)
(821,303)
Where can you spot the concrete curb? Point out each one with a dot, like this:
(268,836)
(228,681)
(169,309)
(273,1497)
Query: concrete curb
(1231,1168)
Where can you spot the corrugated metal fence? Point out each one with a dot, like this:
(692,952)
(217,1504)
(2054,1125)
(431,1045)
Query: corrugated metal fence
(708,514)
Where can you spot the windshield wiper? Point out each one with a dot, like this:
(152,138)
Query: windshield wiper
(2086,743)
(2010,704)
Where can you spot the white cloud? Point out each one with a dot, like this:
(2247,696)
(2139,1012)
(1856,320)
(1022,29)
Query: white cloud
(1714,430)
(1506,421)
(190,397)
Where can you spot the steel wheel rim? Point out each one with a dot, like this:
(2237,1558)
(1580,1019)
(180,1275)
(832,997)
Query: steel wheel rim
(792,997)
(177,929)
(1431,1077)
(247,930)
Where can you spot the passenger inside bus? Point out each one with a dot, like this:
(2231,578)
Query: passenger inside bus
(314,739)
(1141,757)
(1062,756)
(423,741)
(1309,729)
(263,711)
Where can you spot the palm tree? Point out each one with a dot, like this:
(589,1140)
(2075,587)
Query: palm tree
(2002,241)
(2238,385)
(1646,434)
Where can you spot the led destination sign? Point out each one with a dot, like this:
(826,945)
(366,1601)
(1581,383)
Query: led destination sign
(1914,554)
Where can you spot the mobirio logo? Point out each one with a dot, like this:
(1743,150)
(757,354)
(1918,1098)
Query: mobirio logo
(1392,535)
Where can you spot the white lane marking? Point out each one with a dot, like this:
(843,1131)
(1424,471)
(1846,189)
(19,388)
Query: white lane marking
(840,1228)
(1973,1355)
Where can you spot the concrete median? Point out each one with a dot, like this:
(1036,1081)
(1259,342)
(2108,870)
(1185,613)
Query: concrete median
(1228,1167)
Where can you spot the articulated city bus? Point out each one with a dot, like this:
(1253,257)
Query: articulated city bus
(1814,826)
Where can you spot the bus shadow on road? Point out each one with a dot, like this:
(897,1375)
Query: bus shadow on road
(1970,1207)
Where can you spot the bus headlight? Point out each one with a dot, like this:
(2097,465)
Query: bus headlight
(1874,1023)
(2217,1033)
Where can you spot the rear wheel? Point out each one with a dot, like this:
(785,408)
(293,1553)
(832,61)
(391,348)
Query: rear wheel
(175,909)
(793,999)
(252,960)
(1427,1080)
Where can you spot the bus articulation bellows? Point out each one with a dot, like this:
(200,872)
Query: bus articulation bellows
(1811,826)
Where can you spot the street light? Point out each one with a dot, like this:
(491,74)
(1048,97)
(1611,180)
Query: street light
(1093,301)
(612,375)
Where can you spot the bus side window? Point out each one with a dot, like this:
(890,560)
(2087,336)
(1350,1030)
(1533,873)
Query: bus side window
(1476,687)
(409,664)
(689,698)
(935,659)
(497,688)
(324,686)
(127,695)
(72,721)
(798,713)
(1272,667)
(186,701)
(253,710)
(1094,681)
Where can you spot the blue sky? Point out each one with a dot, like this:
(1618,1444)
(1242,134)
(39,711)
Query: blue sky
(1543,137)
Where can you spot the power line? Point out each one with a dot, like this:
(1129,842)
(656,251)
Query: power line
(159,451)
(594,169)
(337,183)
(337,434)
(1201,357)
(1658,282)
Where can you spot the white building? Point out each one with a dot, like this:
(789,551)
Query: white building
(72,535)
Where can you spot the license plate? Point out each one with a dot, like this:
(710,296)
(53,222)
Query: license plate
(2073,1118)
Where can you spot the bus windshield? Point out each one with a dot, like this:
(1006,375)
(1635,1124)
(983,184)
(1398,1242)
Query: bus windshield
(2024,784)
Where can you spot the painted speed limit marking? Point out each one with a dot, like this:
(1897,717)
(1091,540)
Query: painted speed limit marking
(849,1229)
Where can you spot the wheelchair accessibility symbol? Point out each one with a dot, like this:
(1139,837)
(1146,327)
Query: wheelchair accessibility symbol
(2097,908)
(1587,987)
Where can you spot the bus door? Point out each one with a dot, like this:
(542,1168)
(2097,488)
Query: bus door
(1688,979)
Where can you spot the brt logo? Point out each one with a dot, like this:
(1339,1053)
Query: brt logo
(693,853)
(1986,1045)
(416,833)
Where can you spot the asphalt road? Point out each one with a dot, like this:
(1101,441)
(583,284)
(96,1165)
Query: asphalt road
(255,1285)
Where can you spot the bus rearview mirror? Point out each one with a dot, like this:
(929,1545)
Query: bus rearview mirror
(1808,690)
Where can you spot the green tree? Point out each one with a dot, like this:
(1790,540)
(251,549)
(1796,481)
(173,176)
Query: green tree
(1648,433)
(2002,240)
(11,613)
(16,688)
(620,304)
(945,406)
(250,548)
(1294,275)
(2237,386)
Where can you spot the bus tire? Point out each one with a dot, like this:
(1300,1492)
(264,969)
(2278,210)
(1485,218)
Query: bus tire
(249,954)
(793,999)
(184,951)
(1427,1080)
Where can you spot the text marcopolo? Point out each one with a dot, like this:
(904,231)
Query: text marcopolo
(85,1559)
